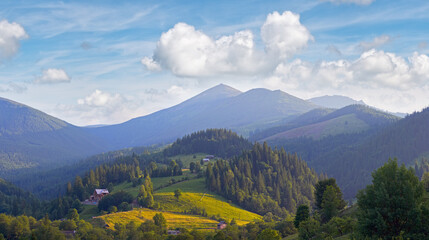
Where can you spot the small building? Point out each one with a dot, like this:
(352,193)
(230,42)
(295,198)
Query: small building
(206,160)
(98,194)
(210,156)
(173,232)
(221,225)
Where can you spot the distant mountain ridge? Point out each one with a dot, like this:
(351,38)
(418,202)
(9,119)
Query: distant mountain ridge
(30,138)
(319,123)
(334,101)
(218,107)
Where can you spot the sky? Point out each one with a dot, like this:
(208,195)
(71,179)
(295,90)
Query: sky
(105,62)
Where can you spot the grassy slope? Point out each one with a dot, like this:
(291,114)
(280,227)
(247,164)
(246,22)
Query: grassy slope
(187,159)
(174,220)
(195,195)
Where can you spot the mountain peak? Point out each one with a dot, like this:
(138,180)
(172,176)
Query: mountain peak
(217,92)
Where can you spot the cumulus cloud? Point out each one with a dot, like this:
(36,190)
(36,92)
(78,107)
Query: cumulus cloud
(284,35)
(52,76)
(358,2)
(373,69)
(188,52)
(101,99)
(377,42)
(100,107)
(150,64)
(10,36)
(380,78)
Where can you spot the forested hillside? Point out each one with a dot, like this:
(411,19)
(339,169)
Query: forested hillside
(351,158)
(30,139)
(219,142)
(264,180)
(323,123)
(15,201)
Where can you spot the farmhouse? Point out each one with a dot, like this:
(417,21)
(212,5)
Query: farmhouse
(221,225)
(98,194)
(206,160)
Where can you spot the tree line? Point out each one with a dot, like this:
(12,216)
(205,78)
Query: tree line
(263,180)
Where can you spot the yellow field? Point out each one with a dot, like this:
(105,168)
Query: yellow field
(194,195)
(174,220)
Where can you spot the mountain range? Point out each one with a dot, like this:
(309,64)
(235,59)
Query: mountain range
(32,139)
(218,107)
(327,138)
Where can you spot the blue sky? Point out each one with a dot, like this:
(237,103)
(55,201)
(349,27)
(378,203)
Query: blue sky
(105,62)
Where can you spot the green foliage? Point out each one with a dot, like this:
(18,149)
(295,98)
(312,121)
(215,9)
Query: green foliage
(160,220)
(269,234)
(330,204)
(286,227)
(114,199)
(177,193)
(220,142)
(392,205)
(425,181)
(73,215)
(308,229)
(263,180)
(15,201)
(302,214)
(321,187)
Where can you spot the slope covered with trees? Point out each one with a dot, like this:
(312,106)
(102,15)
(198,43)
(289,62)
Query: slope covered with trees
(350,158)
(219,142)
(350,119)
(263,180)
(31,139)
(15,201)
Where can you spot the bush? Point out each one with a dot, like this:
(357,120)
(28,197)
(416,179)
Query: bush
(114,199)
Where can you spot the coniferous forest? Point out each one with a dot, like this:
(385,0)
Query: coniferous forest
(263,180)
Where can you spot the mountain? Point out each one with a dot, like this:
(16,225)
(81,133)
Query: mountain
(350,158)
(320,123)
(218,107)
(335,101)
(15,201)
(32,139)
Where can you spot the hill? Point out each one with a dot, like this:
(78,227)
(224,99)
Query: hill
(15,201)
(32,139)
(218,107)
(350,158)
(321,123)
(335,101)
(195,198)
(220,142)
(174,220)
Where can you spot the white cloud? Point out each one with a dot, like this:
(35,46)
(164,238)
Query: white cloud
(377,42)
(150,64)
(358,2)
(284,35)
(373,69)
(53,75)
(100,107)
(188,52)
(101,99)
(10,35)
(380,78)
